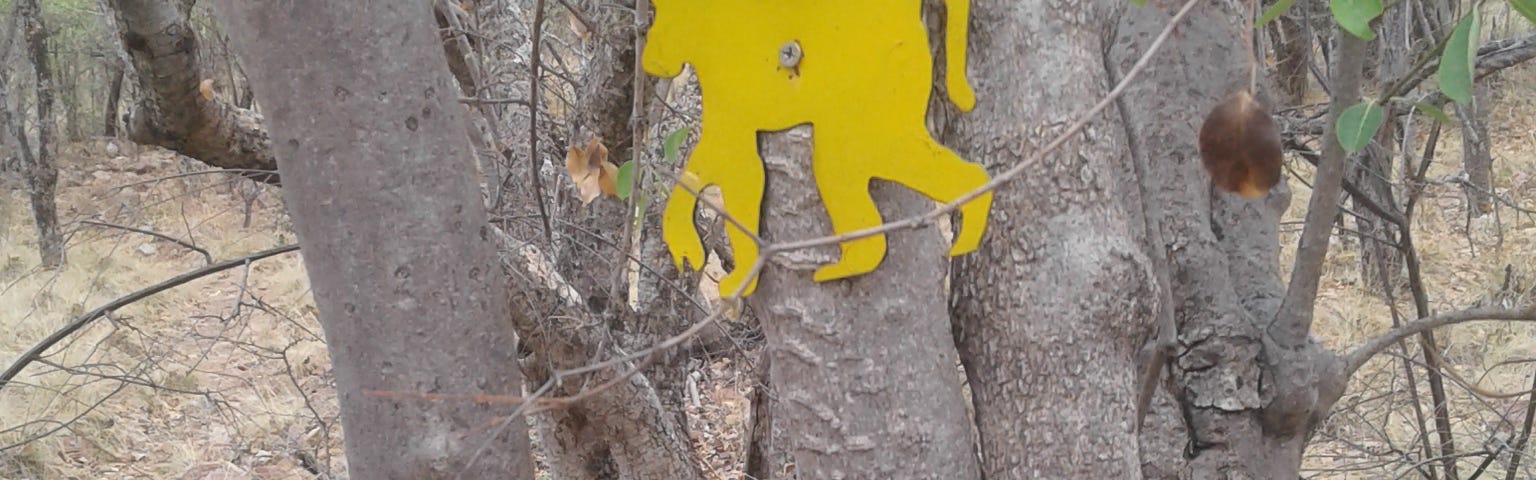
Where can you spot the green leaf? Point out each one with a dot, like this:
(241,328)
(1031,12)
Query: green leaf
(1139,3)
(1356,15)
(673,141)
(626,180)
(1434,112)
(1458,60)
(1274,11)
(1357,125)
(1527,8)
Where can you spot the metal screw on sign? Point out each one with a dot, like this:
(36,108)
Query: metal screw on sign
(789,54)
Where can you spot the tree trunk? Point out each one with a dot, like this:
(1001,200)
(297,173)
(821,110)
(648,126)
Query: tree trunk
(607,84)
(1476,148)
(115,73)
(394,232)
(865,367)
(41,174)
(1238,404)
(1050,309)
(174,112)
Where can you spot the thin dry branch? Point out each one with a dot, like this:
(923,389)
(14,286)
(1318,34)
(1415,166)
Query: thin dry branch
(188,245)
(81,321)
(1360,354)
(533,119)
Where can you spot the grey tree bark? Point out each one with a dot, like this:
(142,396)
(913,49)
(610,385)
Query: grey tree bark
(1051,308)
(394,232)
(114,95)
(1243,389)
(42,176)
(865,367)
(173,112)
(1476,151)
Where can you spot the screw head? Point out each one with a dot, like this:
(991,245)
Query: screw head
(789,54)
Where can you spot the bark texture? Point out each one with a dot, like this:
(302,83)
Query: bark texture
(173,112)
(394,232)
(1051,308)
(621,432)
(865,368)
(1476,151)
(1237,405)
(114,94)
(41,174)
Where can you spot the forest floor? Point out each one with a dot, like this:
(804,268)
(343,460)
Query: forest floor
(227,376)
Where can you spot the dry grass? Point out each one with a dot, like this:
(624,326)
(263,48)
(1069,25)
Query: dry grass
(1464,262)
(202,381)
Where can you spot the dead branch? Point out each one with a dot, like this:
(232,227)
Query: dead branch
(81,321)
(1360,354)
(533,118)
(188,245)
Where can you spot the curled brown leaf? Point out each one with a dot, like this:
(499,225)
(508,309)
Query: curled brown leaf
(1240,146)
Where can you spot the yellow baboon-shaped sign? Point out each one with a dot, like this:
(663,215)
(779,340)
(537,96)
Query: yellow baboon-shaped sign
(859,71)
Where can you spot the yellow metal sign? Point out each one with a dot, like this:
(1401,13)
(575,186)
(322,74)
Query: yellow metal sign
(859,71)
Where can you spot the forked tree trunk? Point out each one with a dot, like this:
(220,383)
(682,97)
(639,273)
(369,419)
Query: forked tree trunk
(385,204)
(1237,402)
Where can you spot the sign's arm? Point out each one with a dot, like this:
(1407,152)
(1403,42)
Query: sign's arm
(957,22)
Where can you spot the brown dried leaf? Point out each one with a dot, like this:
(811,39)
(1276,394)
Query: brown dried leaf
(608,179)
(590,170)
(1240,146)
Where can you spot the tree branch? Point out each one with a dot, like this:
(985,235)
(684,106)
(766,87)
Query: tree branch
(1294,319)
(185,244)
(1357,357)
(81,321)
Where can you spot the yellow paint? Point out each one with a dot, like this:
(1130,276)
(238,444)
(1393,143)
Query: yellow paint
(862,82)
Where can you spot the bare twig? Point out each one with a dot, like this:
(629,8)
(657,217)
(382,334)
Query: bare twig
(206,256)
(84,319)
(250,173)
(1358,356)
(494,101)
(1525,434)
(533,119)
